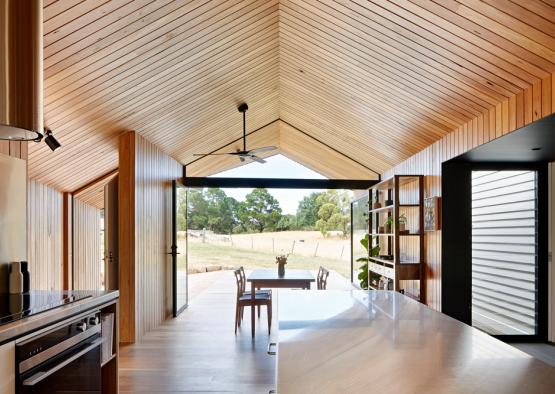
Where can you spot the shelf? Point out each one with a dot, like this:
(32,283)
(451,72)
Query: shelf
(388,262)
(403,180)
(411,267)
(112,357)
(389,207)
(392,235)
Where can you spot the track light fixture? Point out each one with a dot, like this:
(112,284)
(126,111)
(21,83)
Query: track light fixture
(50,140)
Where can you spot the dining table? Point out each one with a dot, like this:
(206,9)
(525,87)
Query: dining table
(269,278)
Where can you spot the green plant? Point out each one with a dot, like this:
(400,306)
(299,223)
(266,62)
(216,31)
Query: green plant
(402,218)
(373,252)
(389,221)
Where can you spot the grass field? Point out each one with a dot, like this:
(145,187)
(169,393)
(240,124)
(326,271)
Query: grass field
(206,254)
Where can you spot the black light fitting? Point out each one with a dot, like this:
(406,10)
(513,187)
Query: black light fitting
(50,140)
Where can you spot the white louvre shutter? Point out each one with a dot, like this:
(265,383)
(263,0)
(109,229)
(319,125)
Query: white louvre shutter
(504,249)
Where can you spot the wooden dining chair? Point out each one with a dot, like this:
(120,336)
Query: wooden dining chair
(244,299)
(247,292)
(322,278)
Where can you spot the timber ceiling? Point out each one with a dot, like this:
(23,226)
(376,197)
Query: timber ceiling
(376,80)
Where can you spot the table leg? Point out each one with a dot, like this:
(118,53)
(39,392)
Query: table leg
(253,295)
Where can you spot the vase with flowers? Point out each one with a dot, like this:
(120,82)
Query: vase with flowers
(281,260)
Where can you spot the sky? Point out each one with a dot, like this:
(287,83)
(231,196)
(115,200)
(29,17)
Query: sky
(277,166)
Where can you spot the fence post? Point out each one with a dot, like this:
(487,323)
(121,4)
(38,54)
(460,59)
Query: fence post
(293,247)
(342,250)
(316,250)
(273,246)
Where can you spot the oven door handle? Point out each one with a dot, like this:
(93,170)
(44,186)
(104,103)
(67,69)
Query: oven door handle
(39,376)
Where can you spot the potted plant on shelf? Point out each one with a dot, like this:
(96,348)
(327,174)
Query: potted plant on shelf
(377,201)
(281,260)
(388,224)
(402,224)
(370,251)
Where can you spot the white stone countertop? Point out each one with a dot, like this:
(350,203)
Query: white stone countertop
(384,342)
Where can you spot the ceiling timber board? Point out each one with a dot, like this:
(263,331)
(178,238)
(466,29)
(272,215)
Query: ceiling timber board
(93,194)
(375,80)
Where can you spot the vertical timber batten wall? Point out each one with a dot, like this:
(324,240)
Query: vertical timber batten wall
(44,240)
(145,218)
(86,246)
(529,105)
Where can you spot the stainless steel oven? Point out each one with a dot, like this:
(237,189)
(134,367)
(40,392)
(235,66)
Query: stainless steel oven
(64,358)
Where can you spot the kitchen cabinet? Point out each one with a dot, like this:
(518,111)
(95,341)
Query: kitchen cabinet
(7,368)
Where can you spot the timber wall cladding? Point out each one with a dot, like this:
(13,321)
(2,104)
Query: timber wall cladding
(86,247)
(14,148)
(154,171)
(44,243)
(531,104)
(145,175)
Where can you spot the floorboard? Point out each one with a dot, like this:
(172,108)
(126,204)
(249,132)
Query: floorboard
(198,352)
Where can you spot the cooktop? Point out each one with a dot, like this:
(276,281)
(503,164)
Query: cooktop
(17,306)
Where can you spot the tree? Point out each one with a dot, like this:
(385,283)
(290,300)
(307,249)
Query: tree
(333,213)
(307,211)
(197,209)
(181,210)
(221,211)
(287,223)
(260,211)
(209,209)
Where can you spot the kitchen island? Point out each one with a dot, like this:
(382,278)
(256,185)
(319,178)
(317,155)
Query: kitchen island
(382,341)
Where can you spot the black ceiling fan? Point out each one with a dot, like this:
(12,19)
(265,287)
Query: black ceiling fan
(244,154)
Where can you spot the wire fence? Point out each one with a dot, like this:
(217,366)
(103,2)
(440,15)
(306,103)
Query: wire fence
(303,243)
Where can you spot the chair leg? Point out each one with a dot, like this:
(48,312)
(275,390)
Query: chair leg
(269,310)
(258,305)
(236,317)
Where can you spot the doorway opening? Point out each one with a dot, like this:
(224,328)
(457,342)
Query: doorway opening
(505,252)
(226,222)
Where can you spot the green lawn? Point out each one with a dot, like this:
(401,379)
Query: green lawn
(203,254)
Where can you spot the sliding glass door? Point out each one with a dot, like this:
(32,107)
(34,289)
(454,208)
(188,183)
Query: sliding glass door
(505,252)
(359,228)
(178,247)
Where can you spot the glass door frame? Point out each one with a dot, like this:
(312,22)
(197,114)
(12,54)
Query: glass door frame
(353,202)
(176,310)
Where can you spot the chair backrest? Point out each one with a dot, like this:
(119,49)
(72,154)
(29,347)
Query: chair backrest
(239,282)
(243,277)
(322,280)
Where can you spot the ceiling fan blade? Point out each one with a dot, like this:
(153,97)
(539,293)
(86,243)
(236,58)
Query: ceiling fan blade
(257,159)
(262,149)
(214,154)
